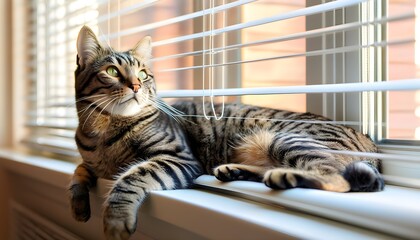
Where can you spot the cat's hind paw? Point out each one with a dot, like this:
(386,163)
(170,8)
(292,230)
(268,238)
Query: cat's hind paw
(288,178)
(363,177)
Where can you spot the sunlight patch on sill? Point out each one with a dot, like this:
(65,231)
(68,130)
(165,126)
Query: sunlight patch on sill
(393,211)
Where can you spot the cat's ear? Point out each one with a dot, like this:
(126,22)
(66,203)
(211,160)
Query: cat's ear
(143,48)
(88,46)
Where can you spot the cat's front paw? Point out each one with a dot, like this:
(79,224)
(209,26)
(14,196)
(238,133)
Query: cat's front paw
(79,202)
(227,172)
(232,172)
(117,224)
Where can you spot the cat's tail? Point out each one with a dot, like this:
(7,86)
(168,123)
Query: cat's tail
(363,177)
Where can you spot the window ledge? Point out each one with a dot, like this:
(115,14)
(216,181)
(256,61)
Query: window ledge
(247,210)
(394,211)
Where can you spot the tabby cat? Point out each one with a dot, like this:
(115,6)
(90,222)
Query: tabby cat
(128,134)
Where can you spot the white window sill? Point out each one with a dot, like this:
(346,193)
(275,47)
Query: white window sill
(247,210)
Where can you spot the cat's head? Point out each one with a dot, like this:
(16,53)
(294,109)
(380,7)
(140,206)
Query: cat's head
(117,83)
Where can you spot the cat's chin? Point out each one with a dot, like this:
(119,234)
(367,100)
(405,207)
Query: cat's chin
(128,108)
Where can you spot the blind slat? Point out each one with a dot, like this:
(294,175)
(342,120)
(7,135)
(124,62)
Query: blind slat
(178,19)
(304,54)
(129,9)
(400,85)
(53,147)
(307,34)
(283,16)
(52,124)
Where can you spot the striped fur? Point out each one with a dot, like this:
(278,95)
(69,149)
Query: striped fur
(285,154)
(126,133)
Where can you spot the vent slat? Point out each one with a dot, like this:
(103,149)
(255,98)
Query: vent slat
(29,225)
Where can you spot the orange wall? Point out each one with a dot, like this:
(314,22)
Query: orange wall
(282,72)
(401,65)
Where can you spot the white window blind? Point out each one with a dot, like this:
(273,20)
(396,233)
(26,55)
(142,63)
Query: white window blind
(342,59)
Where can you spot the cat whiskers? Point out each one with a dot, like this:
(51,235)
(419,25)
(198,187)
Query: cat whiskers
(83,111)
(89,97)
(111,101)
(149,106)
(115,104)
(167,109)
(93,110)
(83,99)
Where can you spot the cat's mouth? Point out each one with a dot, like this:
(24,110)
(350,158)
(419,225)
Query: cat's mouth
(130,97)
(128,105)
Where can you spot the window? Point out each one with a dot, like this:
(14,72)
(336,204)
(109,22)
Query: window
(293,55)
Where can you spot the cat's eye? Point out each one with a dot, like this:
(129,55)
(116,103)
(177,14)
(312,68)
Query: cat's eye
(112,71)
(142,75)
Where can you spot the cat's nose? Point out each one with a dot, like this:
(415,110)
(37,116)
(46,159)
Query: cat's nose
(134,84)
(135,87)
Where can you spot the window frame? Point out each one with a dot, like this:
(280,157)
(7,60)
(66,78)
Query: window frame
(44,170)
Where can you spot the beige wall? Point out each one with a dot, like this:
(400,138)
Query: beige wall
(5,72)
(5,107)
